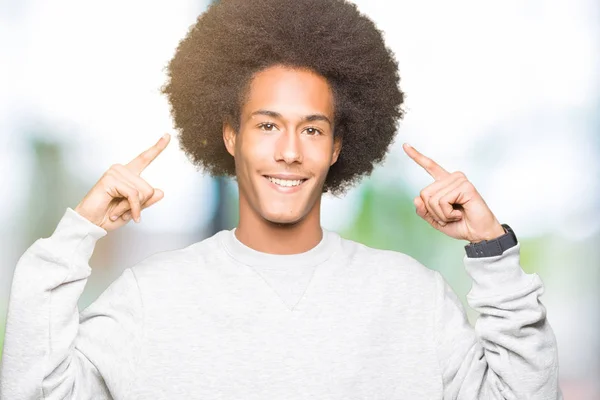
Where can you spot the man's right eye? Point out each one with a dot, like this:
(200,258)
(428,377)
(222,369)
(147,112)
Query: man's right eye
(267,126)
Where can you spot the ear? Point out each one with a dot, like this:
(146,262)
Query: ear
(337,148)
(229,138)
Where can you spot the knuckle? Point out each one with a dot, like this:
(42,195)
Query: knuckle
(467,185)
(144,196)
(149,192)
(109,174)
(146,189)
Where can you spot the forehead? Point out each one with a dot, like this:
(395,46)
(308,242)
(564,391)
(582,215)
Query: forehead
(290,92)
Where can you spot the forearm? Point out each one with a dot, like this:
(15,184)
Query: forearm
(517,340)
(43,317)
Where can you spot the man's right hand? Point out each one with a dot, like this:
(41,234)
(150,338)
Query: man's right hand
(121,192)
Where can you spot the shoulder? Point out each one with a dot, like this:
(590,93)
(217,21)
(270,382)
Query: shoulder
(390,264)
(391,277)
(181,263)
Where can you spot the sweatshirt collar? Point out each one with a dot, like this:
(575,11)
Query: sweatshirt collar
(248,256)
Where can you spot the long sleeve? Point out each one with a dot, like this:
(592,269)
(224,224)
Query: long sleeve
(511,353)
(51,351)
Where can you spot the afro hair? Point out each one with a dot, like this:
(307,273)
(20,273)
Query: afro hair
(210,74)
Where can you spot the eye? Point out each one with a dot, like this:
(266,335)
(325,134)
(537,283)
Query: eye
(313,131)
(267,126)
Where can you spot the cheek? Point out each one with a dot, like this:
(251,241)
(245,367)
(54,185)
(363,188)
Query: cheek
(256,148)
(256,158)
(247,152)
(319,157)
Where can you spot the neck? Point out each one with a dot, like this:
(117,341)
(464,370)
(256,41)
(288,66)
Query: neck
(267,237)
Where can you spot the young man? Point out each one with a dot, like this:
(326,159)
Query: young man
(293,99)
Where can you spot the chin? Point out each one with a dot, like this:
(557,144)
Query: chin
(283,220)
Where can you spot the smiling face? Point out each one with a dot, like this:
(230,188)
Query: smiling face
(285,146)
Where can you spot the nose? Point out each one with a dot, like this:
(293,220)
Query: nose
(289,148)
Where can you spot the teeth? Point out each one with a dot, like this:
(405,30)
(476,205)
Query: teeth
(285,182)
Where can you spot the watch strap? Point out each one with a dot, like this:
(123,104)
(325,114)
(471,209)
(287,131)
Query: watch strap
(494,247)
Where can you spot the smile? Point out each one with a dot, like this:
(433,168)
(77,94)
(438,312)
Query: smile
(286,182)
(285,185)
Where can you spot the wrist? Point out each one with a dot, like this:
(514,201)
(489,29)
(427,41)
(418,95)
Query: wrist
(492,247)
(493,234)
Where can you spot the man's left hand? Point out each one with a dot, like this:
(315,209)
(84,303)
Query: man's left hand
(452,205)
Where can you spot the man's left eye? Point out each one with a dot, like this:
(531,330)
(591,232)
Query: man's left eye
(313,131)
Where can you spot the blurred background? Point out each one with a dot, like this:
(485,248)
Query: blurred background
(507,92)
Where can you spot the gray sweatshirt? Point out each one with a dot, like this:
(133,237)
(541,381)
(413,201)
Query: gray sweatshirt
(219,320)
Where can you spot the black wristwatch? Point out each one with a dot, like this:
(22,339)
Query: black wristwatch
(494,247)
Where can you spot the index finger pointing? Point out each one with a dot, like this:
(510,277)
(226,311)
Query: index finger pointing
(138,164)
(432,168)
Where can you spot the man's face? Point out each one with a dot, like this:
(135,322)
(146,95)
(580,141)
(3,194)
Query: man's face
(285,145)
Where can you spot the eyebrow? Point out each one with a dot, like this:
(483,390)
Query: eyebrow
(306,118)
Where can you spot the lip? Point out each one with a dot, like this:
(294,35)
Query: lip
(282,189)
(287,176)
